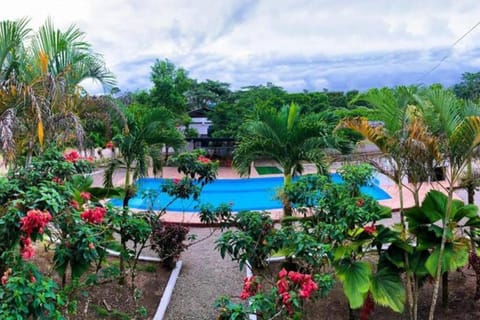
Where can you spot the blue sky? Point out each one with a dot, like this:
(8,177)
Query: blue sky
(296,44)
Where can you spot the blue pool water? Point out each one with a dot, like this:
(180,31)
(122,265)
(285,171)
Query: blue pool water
(245,194)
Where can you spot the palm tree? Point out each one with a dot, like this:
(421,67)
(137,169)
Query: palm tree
(41,83)
(406,145)
(142,144)
(459,134)
(286,137)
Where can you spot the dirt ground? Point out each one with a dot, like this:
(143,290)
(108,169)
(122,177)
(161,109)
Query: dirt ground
(110,300)
(462,305)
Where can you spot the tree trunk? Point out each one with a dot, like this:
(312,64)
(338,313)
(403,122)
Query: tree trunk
(287,206)
(438,274)
(445,290)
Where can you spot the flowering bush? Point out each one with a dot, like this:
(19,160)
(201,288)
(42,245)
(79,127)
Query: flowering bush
(71,156)
(291,284)
(285,298)
(34,221)
(93,215)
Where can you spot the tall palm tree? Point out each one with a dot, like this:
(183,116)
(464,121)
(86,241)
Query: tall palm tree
(285,137)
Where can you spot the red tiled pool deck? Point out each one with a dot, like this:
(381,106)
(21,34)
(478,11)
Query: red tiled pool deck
(193,219)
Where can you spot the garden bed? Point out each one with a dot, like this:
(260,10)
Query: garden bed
(462,305)
(109,299)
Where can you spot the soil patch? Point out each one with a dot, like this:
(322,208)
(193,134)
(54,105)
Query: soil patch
(462,305)
(109,299)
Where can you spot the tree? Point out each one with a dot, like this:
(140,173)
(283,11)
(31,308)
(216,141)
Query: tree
(41,86)
(459,136)
(284,136)
(408,147)
(169,86)
(469,87)
(207,94)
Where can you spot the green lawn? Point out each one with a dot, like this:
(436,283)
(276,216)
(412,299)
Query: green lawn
(268,170)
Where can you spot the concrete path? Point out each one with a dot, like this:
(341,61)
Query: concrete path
(205,276)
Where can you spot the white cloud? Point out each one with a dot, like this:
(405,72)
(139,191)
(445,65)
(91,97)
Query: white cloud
(251,42)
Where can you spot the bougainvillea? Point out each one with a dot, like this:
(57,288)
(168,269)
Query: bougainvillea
(85,195)
(94,215)
(251,285)
(34,221)
(26,249)
(292,282)
(71,156)
(203,159)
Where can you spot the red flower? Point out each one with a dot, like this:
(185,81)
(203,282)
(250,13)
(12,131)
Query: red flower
(71,156)
(283,273)
(85,195)
(35,220)
(176,181)
(250,287)
(109,145)
(57,180)
(94,215)
(32,279)
(282,285)
(203,159)
(370,230)
(296,277)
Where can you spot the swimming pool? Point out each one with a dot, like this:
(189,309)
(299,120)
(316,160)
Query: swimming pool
(244,194)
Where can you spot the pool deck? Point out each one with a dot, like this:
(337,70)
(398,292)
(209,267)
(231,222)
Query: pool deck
(193,219)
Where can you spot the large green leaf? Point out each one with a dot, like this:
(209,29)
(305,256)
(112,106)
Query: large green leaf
(355,278)
(387,290)
(465,211)
(454,257)
(434,205)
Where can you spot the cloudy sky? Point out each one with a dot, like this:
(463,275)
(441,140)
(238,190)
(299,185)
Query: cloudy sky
(337,44)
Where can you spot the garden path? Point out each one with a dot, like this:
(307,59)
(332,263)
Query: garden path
(204,277)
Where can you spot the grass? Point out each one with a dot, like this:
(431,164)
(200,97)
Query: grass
(268,170)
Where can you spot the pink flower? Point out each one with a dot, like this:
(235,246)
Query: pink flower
(4,279)
(176,181)
(85,195)
(71,156)
(32,279)
(94,215)
(91,246)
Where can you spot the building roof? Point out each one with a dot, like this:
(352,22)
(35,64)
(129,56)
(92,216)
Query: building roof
(199,113)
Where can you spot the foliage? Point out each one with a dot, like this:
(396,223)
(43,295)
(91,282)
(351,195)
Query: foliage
(168,242)
(284,300)
(25,293)
(252,242)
